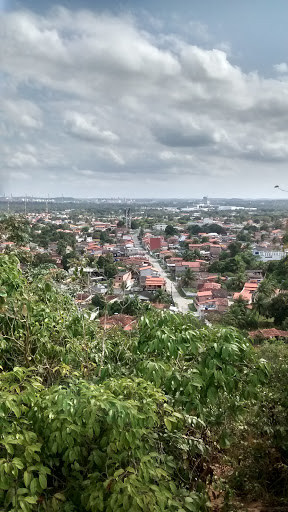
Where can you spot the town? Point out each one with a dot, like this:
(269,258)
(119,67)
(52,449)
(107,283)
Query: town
(222,264)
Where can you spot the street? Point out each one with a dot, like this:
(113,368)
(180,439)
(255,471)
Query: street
(180,302)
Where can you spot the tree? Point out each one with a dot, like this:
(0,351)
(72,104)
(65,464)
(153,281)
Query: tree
(105,238)
(17,229)
(120,224)
(278,308)
(134,224)
(108,420)
(42,259)
(67,259)
(188,278)
(161,297)
(61,247)
(98,301)
(170,230)
(234,248)
(237,282)
(191,255)
(239,316)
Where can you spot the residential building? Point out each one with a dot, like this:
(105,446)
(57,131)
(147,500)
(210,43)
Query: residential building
(147,271)
(265,254)
(154,283)
(123,278)
(181,267)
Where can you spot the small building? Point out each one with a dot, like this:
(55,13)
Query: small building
(154,283)
(123,278)
(125,321)
(147,271)
(268,334)
(265,254)
(181,267)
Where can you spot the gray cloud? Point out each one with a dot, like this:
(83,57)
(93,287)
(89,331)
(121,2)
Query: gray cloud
(96,98)
(85,127)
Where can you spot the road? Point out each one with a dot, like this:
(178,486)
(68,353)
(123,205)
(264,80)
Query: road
(180,302)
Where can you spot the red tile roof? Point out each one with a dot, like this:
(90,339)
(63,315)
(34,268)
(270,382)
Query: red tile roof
(154,280)
(125,321)
(269,333)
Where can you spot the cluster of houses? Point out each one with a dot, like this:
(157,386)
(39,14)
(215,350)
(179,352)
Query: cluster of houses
(135,272)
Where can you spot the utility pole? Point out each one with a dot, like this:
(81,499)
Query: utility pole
(25,205)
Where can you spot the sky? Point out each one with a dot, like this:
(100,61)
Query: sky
(138,98)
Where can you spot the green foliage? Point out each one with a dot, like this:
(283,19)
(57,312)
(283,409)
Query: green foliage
(188,278)
(171,230)
(191,255)
(278,308)
(259,456)
(105,238)
(107,265)
(16,229)
(240,316)
(161,297)
(96,420)
(52,233)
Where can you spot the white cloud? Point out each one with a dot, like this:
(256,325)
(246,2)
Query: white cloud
(22,160)
(85,127)
(281,68)
(147,103)
(22,113)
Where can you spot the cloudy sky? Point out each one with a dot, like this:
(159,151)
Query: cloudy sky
(125,98)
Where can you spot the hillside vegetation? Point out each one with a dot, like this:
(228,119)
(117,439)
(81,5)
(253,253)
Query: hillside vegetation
(175,416)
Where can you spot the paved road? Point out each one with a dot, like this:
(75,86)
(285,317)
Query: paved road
(181,303)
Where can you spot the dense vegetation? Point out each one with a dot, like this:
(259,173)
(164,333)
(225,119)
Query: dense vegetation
(107,421)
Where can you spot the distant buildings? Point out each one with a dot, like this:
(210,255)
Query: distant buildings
(265,254)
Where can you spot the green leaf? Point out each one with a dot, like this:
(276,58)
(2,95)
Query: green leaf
(31,499)
(27,478)
(43,481)
(18,463)
(25,507)
(59,496)
(168,424)
(118,472)
(34,485)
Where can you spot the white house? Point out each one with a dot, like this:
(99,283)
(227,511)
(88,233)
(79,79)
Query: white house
(265,254)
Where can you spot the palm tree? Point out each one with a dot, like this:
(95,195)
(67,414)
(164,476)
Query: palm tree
(188,279)
(265,291)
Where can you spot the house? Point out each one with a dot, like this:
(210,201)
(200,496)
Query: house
(206,301)
(209,286)
(254,274)
(121,279)
(154,283)
(154,243)
(125,321)
(265,254)
(147,271)
(247,293)
(181,267)
(159,227)
(268,333)
(215,250)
